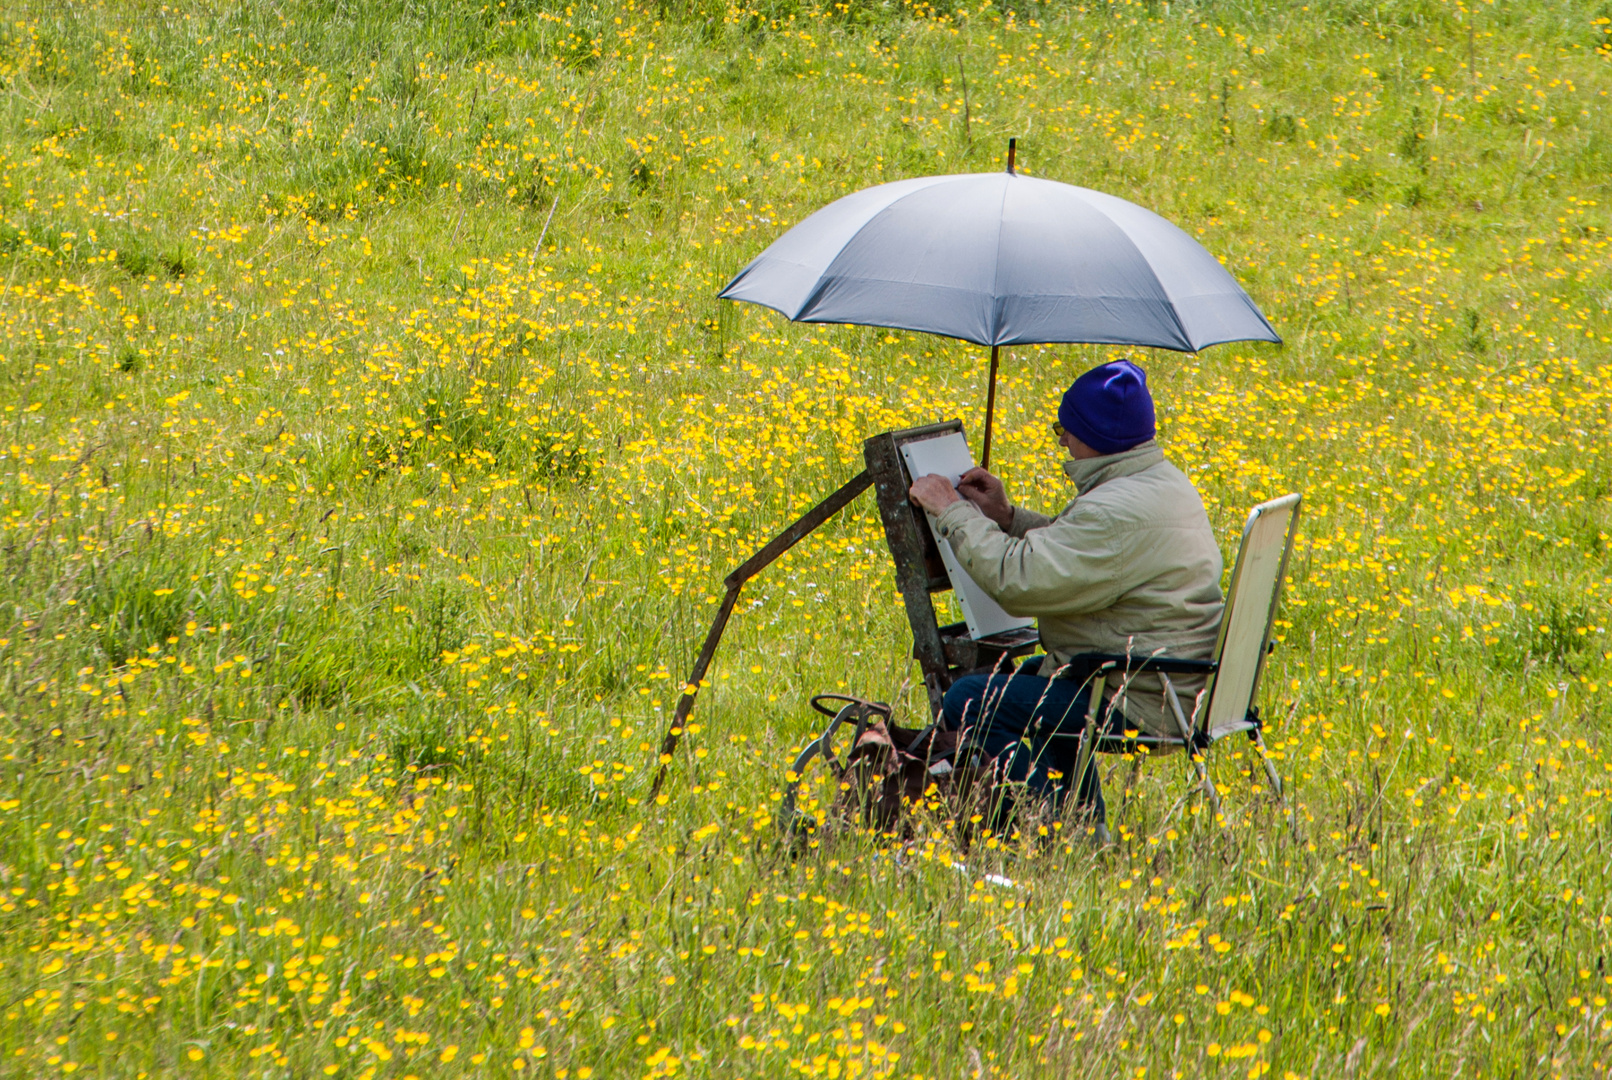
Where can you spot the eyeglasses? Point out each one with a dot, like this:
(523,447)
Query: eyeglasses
(1057,429)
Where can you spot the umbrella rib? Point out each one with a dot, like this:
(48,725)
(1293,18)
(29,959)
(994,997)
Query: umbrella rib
(996,273)
(802,313)
(1164,294)
(1169,301)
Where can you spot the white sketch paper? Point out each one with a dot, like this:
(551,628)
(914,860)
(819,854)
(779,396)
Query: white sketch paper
(948,456)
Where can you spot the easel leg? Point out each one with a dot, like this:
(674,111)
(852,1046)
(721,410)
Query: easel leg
(685,704)
(752,566)
(937,697)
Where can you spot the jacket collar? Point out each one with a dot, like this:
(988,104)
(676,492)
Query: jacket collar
(1089,472)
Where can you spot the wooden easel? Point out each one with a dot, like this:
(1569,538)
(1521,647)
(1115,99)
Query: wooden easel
(944,653)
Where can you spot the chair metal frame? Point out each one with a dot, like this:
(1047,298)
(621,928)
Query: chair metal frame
(1201,731)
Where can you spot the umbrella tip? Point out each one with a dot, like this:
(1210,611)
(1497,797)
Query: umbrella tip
(1013,152)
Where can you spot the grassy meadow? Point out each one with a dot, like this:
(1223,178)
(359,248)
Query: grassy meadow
(374,448)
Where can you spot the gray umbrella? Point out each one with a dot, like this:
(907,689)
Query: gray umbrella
(1002,259)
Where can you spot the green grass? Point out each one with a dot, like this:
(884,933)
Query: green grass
(373,449)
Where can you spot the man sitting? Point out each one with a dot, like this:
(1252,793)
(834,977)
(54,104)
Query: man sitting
(1130,566)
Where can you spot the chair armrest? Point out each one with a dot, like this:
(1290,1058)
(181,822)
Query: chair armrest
(1082,666)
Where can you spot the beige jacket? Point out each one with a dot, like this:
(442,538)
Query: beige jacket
(1130,565)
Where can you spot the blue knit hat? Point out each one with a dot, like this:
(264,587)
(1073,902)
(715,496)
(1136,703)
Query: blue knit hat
(1109,408)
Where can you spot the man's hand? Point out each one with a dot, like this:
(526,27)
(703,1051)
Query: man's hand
(986,492)
(933,492)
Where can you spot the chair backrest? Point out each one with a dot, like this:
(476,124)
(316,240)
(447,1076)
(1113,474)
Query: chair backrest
(1245,626)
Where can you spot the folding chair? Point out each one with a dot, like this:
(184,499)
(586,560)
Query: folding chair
(1227,705)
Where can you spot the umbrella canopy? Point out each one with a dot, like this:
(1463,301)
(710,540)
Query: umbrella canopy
(1002,259)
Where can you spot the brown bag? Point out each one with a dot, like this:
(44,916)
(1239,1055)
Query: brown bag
(891,770)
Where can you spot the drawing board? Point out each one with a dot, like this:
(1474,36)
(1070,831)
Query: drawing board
(948,456)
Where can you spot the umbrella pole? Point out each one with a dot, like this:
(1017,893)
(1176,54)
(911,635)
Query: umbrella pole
(990,408)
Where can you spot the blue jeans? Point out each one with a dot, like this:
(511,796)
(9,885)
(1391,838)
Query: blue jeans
(1003,711)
